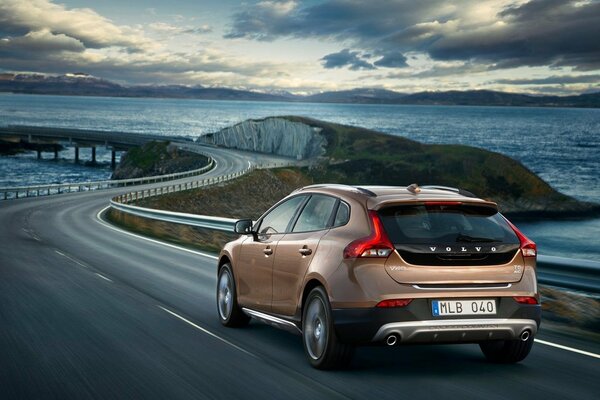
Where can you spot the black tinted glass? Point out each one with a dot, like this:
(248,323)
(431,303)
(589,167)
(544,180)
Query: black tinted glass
(424,224)
(343,215)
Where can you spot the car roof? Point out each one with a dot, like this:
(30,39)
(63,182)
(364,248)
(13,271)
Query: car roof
(379,196)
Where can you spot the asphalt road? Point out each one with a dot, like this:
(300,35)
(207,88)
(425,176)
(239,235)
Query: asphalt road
(88,311)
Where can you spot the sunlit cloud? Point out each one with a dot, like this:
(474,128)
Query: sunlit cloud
(514,45)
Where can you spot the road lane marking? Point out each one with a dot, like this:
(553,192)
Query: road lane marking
(32,234)
(208,332)
(103,277)
(106,224)
(560,346)
(72,259)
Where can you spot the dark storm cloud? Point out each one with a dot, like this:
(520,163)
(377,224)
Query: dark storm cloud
(539,32)
(346,58)
(392,60)
(269,20)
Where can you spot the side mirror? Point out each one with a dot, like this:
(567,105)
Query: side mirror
(243,226)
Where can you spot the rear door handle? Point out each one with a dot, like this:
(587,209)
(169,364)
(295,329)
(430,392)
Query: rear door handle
(305,251)
(268,251)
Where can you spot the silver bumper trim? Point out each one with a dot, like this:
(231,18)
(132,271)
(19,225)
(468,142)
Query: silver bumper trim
(456,330)
(272,320)
(462,288)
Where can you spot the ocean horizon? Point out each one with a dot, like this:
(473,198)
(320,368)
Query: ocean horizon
(561,145)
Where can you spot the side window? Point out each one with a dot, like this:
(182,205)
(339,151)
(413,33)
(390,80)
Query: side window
(316,214)
(343,214)
(278,219)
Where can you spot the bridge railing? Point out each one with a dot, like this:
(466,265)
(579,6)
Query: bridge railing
(73,134)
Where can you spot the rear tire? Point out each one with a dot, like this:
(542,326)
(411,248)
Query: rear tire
(230,313)
(506,351)
(321,345)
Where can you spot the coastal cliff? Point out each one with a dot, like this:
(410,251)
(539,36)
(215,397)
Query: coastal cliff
(273,135)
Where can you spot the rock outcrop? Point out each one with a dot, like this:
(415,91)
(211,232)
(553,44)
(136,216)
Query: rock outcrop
(272,135)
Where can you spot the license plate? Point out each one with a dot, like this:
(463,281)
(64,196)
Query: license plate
(463,307)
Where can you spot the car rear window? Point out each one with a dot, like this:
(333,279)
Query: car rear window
(446,224)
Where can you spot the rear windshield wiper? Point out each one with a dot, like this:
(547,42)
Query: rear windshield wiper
(473,239)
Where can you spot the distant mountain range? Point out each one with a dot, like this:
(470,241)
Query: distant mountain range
(79,84)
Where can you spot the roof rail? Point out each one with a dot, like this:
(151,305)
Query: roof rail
(340,186)
(462,192)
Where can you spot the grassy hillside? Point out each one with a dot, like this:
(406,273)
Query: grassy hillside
(246,197)
(361,156)
(157,158)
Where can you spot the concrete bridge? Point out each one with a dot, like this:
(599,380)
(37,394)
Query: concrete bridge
(45,139)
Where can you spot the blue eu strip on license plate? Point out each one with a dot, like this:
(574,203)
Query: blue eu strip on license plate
(436,307)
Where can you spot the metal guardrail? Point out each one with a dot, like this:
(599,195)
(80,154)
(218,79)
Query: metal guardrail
(129,197)
(122,200)
(200,221)
(16,192)
(569,273)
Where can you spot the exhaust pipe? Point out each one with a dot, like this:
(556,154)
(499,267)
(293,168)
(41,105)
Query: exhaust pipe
(391,340)
(525,335)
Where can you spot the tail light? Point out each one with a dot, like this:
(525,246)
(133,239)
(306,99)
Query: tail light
(393,303)
(376,245)
(525,299)
(528,246)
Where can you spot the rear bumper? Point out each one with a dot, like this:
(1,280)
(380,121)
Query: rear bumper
(416,324)
(456,331)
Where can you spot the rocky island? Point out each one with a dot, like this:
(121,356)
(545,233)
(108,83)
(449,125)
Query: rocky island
(359,156)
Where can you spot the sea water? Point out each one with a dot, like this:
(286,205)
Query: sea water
(561,145)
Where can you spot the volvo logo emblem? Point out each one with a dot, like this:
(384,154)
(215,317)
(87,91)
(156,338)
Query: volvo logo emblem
(463,249)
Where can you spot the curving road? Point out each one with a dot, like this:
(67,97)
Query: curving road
(89,311)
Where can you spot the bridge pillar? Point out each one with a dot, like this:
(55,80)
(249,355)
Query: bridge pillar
(55,152)
(93,154)
(113,159)
(76,154)
(39,154)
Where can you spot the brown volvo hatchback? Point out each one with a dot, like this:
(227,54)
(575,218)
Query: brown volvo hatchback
(346,266)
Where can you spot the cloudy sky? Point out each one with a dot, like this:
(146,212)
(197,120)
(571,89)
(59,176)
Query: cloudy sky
(535,46)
